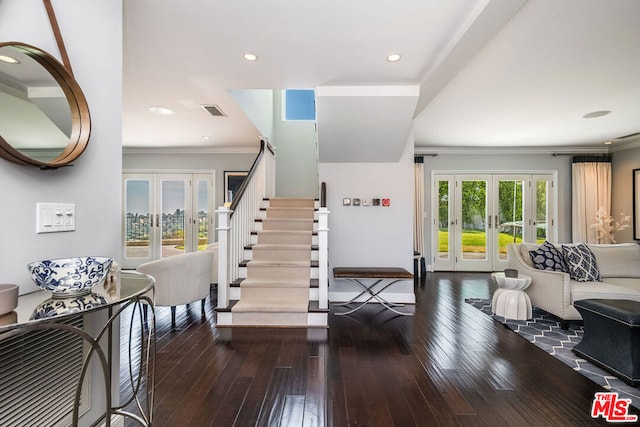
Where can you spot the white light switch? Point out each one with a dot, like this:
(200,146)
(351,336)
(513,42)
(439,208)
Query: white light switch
(54,217)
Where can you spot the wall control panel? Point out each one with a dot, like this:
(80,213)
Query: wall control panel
(54,217)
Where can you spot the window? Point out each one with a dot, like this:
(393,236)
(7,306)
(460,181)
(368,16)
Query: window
(299,104)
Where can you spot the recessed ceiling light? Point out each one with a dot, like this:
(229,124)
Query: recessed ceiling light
(394,57)
(163,111)
(594,114)
(608,143)
(206,138)
(250,56)
(9,59)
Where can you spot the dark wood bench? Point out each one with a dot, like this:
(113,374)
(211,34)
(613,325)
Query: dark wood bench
(374,275)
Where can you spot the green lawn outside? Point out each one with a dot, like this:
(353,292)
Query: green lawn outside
(474,241)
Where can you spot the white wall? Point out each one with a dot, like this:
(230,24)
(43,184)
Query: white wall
(296,154)
(371,236)
(257,104)
(92,33)
(622,164)
(520,163)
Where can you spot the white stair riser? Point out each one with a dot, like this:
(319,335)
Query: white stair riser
(254,240)
(265,204)
(258,226)
(242,273)
(318,320)
(235,293)
(263,215)
(248,254)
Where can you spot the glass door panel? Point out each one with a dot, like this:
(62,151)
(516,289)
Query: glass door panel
(172,213)
(202,223)
(443,227)
(473,245)
(543,220)
(509,216)
(139,221)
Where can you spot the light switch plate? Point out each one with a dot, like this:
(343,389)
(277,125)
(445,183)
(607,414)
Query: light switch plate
(55,217)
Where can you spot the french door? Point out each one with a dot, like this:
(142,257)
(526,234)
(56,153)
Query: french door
(165,215)
(475,216)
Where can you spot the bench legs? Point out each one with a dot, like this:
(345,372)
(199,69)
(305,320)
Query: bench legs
(369,289)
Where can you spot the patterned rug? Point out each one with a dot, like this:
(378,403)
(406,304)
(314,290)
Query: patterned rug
(545,332)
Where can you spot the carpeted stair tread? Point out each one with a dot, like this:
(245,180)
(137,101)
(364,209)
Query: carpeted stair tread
(284,237)
(287,223)
(284,247)
(313,283)
(274,283)
(258,263)
(277,245)
(279,300)
(291,202)
(312,263)
(281,253)
(288,212)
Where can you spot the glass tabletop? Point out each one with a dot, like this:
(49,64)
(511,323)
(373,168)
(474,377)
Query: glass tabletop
(41,307)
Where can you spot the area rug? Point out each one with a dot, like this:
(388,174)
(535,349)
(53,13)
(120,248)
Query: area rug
(545,332)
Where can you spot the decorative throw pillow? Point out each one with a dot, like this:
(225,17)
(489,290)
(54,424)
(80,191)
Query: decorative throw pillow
(581,263)
(548,257)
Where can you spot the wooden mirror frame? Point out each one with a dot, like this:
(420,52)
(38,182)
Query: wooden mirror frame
(80,117)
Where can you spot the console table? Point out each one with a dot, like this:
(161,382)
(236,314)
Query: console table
(375,275)
(126,290)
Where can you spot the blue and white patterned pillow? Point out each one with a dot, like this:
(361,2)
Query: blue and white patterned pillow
(582,263)
(548,257)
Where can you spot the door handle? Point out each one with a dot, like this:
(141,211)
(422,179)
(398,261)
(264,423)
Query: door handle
(489,222)
(157,220)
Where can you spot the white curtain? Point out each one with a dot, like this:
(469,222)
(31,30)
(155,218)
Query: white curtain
(418,210)
(591,191)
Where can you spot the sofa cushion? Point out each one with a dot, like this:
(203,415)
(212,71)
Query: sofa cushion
(525,248)
(617,260)
(548,257)
(581,263)
(607,290)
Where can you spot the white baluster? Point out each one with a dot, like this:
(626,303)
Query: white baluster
(323,258)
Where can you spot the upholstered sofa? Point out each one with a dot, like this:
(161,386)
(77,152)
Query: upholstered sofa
(555,291)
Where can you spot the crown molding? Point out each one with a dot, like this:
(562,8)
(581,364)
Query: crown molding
(190,150)
(434,151)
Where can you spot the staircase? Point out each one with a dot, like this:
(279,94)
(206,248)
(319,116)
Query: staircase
(278,284)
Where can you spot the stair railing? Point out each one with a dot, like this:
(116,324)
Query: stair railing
(323,250)
(236,222)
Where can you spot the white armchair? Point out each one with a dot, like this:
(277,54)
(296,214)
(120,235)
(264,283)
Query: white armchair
(214,267)
(180,279)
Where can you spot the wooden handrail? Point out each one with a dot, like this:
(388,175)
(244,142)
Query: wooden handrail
(263,145)
(323,195)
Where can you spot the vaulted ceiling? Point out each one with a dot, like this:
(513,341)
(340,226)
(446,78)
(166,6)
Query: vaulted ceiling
(487,73)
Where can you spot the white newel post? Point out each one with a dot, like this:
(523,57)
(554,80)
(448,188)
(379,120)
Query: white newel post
(224,231)
(323,258)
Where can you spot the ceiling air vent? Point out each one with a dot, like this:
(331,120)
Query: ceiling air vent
(631,135)
(214,110)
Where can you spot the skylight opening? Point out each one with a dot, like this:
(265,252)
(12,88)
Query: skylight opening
(299,104)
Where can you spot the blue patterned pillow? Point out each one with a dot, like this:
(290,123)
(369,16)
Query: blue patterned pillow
(548,257)
(582,263)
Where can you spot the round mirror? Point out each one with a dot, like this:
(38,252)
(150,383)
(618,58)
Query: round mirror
(44,116)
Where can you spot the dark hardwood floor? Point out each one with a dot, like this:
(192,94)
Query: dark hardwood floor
(448,365)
